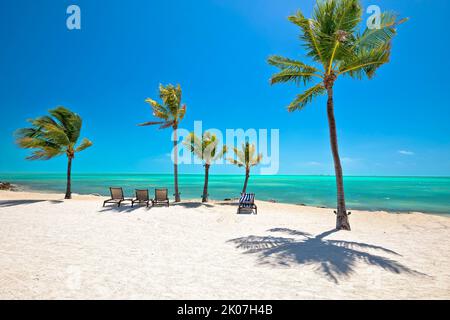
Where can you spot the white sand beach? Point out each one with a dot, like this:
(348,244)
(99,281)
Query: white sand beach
(75,249)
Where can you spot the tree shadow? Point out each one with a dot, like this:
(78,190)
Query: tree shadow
(13,203)
(192,205)
(336,259)
(228,203)
(245,211)
(56,201)
(125,208)
(232,203)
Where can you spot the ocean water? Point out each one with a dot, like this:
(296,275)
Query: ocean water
(398,194)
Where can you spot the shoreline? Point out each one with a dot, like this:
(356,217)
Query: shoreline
(396,195)
(51,196)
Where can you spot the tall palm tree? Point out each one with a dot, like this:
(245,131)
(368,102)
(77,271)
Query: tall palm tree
(332,41)
(171,112)
(206,149)
(53,136)
(246,158)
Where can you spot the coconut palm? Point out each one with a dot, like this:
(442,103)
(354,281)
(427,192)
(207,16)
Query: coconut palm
(171,112)
(332,41)
(52,136)
(206,149)
(246,158)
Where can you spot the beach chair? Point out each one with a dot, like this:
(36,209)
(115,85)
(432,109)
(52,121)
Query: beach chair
(247,201)
(161,197)
(141,197)
(116,197)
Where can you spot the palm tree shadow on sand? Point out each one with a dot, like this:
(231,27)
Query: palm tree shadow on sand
(336,259)
(13,203)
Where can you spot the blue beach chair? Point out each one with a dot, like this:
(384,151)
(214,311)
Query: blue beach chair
(247,201)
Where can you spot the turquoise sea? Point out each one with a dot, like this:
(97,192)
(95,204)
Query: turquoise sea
(402,194)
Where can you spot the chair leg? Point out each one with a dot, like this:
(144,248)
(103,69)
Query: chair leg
(119,204)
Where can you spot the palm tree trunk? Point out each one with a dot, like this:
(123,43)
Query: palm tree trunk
(69,178)
(342,222)
(175,165)
(247,175)
(205,187)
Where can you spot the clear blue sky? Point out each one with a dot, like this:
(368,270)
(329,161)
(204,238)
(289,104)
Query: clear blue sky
(217,51)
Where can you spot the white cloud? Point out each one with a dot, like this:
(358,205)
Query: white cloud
(406,152)
(313,163)
(350,160)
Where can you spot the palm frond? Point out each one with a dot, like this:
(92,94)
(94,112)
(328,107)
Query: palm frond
(182,113)
(236,162)
(331,38)
(332,16)
(86,143)
(55,134)
(240,154)
(257,160)
(36,143)
(150,123)
(159,111)
(366,62)
(167,124)
(205,148)
(45,153)
(28,132)
(52,135)
(245,156)
(69,121)
(347,16)
(170,110)
(378,37)
(309,37)
(286,63)
(306,97)
(220,153)
(171,97)
(209,150)
(288,75)
(337,22)
(43,121)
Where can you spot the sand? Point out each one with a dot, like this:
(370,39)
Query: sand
(74,249)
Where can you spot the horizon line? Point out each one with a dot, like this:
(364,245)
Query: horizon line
(233,174)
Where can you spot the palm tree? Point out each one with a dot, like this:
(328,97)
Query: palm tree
(171,112)
(332,40)
(205,148)
(246,158)
(53,136)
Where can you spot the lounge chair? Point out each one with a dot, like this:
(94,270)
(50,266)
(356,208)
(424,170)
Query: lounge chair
(141,197)
(247,201)
(161,197)
(116,197)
